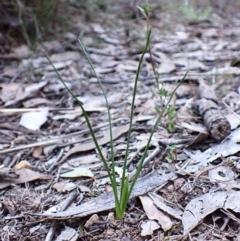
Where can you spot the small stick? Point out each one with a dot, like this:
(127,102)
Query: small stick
(66,204)
(56,140)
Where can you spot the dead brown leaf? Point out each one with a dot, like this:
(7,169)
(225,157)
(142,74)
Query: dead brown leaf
(154,213)
(25,175)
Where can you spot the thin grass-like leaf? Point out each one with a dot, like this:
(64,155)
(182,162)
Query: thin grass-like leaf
(126,189)
(131,115)
(113,182)
(111,176)
(139,168)
(124,200)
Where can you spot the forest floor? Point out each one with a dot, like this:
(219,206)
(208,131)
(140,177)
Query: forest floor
(53,183)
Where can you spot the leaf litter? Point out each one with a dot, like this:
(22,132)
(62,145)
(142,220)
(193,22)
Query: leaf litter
(43,136)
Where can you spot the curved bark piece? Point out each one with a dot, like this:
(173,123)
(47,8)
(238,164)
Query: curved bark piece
(207,106)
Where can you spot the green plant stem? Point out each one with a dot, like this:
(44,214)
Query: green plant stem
(108,111)
(122,197)
(126,188)
(139,168)
(112,175)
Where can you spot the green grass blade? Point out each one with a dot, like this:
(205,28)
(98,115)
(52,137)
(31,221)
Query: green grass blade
(112,179)
(132,111)
(139,168)
(124,199)
(114,184)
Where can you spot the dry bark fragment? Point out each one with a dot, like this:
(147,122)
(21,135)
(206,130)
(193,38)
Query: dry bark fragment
(207,106)
(106,201)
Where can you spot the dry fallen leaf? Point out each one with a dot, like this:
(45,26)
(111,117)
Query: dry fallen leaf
(78,172)
(64,186)
(154,213)
(117,132)
(25,175)
(68,234)
(200,207)
(23,164)
(225,148)
(10,91)
(34,102)
(159,202)
(233,119)
(37,152)
(91,221)
(192,126)
(34,120)
(148,228)
(56,87)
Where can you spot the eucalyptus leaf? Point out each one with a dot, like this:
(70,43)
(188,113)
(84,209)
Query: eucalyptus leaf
(78,172)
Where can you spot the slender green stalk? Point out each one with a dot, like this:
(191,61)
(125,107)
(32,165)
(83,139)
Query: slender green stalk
(126,188)
(121,202)
(111,175)
(139,168)
(131,116)
(113,181)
